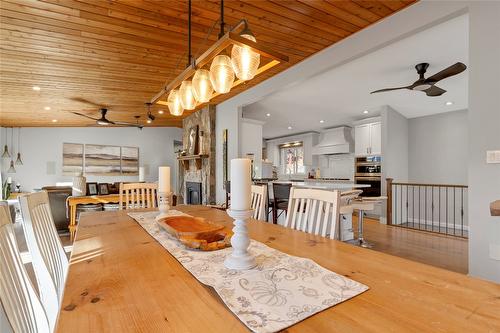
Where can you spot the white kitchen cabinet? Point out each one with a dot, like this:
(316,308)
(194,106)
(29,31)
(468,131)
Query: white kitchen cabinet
(362,139)
(376,139)
(368,139)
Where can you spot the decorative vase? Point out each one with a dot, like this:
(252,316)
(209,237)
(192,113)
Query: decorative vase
(79,185)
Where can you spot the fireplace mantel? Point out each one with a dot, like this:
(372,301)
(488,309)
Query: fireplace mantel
(197,158)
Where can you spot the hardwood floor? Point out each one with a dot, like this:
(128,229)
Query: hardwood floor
(433,249)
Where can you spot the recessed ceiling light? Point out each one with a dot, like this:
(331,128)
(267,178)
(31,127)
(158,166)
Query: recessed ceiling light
(160,111)
(47,108)
(36,88)
(365,112)
(449,103)
(321,121)
(148,121)
(54,120)
(289,127)
(268,115)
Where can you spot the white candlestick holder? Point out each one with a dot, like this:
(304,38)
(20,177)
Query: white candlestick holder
(240,258)
(164,200)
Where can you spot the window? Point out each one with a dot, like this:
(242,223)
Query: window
(292,158)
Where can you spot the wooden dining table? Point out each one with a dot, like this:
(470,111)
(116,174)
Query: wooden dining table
(121,279)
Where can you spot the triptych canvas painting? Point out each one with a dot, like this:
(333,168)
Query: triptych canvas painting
(100,160)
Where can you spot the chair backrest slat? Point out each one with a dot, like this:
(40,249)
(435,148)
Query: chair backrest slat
(258,201)
(19,300)
(138,195)
(49,260)
(314,211)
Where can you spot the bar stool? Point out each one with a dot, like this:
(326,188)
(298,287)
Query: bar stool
(364,204)
(362,207)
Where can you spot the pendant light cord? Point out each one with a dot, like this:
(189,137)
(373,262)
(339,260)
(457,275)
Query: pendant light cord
(12,139)
(190,56)
(222,23)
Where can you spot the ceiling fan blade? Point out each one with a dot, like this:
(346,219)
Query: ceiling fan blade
(447,72)
(84,115)
(121,123)
(389,89)
(434,91)
(86,101)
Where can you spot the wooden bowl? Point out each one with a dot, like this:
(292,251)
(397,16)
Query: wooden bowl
(197,232)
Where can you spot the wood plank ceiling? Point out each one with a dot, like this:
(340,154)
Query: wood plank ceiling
(119,53)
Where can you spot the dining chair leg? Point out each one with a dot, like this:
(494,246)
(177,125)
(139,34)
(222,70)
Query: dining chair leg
(275,213)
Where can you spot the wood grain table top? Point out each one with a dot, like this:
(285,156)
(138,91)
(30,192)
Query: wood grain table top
(121,280)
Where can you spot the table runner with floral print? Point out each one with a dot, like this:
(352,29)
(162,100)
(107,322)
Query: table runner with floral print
(281,291)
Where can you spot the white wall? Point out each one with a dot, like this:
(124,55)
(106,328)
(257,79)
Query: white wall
(484,134)
(394,150)
(251,141)
(227,117)
(41,145)
(438,150)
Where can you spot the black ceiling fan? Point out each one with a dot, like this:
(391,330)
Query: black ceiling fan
(103,121)
(427,85)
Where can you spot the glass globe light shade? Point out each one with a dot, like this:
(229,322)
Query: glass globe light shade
(245,61)
(188,101)
(174,103)
(202,87)
(222,74)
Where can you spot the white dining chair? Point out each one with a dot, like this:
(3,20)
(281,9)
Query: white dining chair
(49,260)
(138,195)
(22,310)
(314,211)
(259,200)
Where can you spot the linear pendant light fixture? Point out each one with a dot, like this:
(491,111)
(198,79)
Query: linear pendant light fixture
(215,71)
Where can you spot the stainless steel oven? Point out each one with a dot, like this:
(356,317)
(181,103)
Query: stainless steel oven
(368,172)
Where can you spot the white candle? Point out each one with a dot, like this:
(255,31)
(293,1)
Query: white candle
(141,174)
(241,183)
(9,180)
(164,179)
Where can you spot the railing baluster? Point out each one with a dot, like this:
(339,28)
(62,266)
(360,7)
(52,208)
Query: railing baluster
(396,204)
(447,204)
(439,218)
(432,208)
(419,207)
(462,211)
(454,211)
(407,207)
(413,207)
(401,203)
(425,207)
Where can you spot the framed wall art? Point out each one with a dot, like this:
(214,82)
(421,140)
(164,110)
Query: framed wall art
(72,159)
(102,160)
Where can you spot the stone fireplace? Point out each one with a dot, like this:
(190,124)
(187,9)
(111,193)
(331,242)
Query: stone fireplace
(199,169)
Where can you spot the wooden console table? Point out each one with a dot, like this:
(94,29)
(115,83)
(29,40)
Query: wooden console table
(93,199)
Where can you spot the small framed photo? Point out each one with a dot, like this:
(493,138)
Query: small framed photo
(92,189)
(103,189)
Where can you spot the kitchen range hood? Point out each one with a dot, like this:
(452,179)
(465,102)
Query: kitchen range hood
(336,140)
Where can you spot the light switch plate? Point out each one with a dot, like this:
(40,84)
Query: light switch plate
(495,251)
(493,156)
